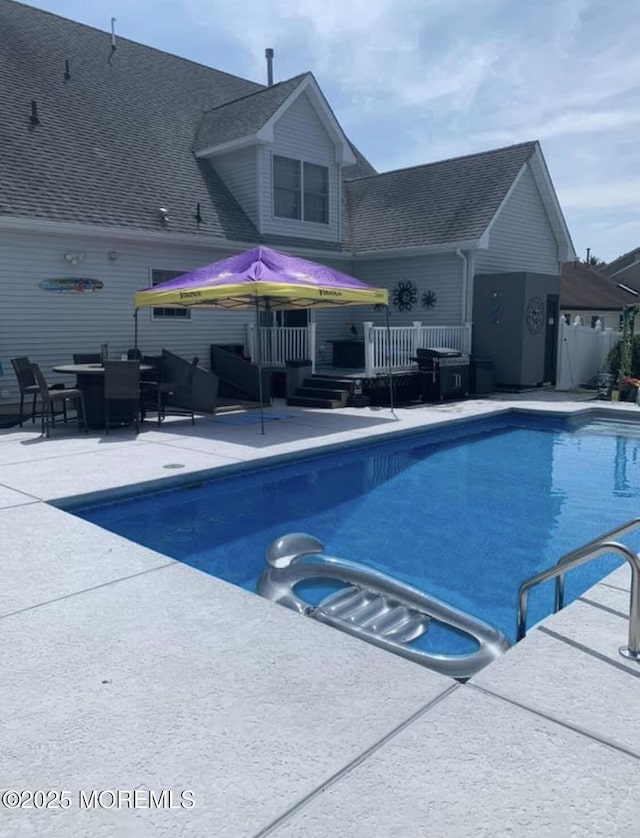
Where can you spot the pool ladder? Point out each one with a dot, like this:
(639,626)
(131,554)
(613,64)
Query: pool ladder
(582,555)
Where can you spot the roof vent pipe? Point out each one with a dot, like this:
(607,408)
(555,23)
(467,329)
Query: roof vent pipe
(269,56)
(113,34)
(33,119)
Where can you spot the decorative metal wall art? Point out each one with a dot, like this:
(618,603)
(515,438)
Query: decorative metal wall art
(405,296)
(73,285)
(535,315)
(429,299)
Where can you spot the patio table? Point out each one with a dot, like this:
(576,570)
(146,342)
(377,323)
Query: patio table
(90,379)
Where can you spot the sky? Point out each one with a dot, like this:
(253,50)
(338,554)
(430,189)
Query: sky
(414,81)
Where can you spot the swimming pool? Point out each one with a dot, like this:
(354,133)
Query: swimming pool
(465,513)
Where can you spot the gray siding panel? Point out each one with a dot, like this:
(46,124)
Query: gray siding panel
(239,171)
(521,238)
(49,327)
(300,134)
(442,274)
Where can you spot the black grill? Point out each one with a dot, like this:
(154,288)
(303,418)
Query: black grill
(443,372)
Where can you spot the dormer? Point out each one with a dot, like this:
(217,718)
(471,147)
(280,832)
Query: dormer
(280,151)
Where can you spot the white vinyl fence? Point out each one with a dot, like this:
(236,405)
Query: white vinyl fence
(582,354)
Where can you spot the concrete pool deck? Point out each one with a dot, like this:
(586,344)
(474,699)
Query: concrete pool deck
(124,670)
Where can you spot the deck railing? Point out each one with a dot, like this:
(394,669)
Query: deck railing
(383,349)
(280,344)
(394,348)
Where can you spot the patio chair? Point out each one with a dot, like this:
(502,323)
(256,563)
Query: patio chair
(167,386)
(52,395)
(86,358)
(27,384)
(122,384)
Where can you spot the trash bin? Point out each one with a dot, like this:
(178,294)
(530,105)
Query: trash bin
(296,371)
(483,376)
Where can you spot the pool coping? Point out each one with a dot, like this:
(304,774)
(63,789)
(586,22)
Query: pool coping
(169,483)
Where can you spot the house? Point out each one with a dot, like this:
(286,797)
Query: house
(123,166)
(592,296)
(625,270)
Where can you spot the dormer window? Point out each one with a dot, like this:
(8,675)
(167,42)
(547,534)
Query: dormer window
(300,190)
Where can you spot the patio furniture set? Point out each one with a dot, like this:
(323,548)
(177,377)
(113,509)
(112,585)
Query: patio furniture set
(108,393)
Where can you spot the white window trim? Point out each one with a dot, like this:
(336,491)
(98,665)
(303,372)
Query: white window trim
(301,220)
(181,318)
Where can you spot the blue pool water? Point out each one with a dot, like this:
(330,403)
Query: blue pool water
(465,513)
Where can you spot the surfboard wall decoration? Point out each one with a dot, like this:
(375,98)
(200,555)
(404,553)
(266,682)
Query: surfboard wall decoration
(77,285)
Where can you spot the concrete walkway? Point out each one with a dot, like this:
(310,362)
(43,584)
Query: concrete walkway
(128,674)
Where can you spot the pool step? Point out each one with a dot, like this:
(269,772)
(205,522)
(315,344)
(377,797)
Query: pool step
(381,615)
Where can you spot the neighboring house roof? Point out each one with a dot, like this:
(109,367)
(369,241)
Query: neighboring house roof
(583,287)
(622,263)
(629,276)
(449,201)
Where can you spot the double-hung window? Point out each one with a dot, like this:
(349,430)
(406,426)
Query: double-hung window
(165,312)
(300,190)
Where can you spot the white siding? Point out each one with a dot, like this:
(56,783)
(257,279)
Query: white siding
(50,327)
(300,134)
(442,274)
(521,238)
(239,171)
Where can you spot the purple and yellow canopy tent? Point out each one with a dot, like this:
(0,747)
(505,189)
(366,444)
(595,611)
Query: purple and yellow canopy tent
(261,276)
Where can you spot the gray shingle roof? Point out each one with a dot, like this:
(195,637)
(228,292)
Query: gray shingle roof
(114,141)
(438,203)
(243,117)
(361,168)
(582,287)
(622,262)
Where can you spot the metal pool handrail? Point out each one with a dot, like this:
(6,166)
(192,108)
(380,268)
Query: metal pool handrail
(623,529)
(575,559)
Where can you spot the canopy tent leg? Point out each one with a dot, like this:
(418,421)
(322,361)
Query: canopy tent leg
(135,328)
(393,413)
(259,363)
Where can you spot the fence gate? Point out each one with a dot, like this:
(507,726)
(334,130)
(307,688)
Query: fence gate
(582,354)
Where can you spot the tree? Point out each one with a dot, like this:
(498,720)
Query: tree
(594,261)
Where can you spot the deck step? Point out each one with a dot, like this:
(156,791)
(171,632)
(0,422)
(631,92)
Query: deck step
(325,382)
(306,401)
(338,398)
(322,393)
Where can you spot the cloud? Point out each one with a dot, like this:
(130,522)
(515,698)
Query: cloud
(602,196)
